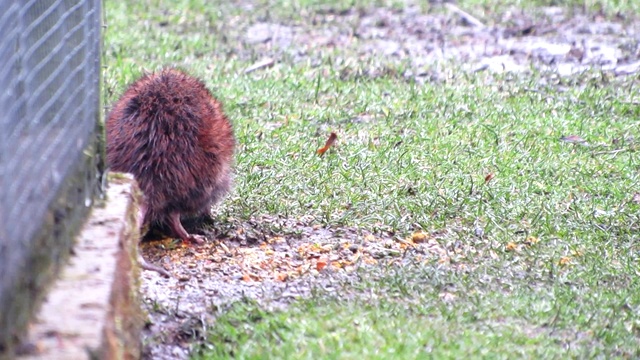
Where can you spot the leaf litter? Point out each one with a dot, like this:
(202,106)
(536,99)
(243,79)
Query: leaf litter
(267,259)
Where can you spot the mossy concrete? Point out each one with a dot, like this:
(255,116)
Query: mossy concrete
(93,310)
(30,276)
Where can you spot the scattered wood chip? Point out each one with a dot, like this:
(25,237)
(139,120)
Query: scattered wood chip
(531,240)
(471,20)
(447,296)
(574,139)
(565,260)
(263,63)
(280,276)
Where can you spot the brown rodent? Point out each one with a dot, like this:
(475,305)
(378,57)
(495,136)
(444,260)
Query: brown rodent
(172,135)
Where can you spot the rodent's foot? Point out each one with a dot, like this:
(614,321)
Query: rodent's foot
(196,239)
(176,225)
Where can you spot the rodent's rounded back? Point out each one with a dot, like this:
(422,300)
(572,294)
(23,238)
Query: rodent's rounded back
(172,135)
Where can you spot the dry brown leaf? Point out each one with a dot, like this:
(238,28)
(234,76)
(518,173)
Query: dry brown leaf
(330,141)
(489,177)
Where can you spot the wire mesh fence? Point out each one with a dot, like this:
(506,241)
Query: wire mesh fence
(49,112)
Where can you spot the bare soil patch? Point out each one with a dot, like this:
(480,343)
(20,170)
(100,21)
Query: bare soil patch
(249,260)
(546,39)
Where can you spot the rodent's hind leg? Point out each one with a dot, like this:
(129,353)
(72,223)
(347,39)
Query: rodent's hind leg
(178,229)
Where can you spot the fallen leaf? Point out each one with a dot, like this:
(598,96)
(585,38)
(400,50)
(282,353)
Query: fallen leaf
(332,139)
(511,246)
(279,276)
(574,139)
(370,261)
(321,264)
(531,240)
(565,260)
(419,237)
(488,177)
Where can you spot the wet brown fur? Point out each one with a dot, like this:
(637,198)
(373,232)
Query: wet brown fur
(172,135)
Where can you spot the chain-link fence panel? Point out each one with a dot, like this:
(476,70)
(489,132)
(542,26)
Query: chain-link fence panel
(50,156)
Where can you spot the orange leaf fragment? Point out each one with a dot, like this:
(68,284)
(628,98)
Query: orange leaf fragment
(370,261)
(281,276)
(321,264)
(369,238)
(419,237)
(511,246)
(565,260)
(330,141)
(531,240)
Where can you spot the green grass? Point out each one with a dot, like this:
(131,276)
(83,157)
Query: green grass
(413,156)
(501,320)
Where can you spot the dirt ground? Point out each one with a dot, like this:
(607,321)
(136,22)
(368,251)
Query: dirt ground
(547,39)
(275,260)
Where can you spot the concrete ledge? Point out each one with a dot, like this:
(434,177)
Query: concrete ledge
(93,310)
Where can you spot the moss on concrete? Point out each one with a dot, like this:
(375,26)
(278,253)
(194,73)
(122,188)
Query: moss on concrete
(52,245)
